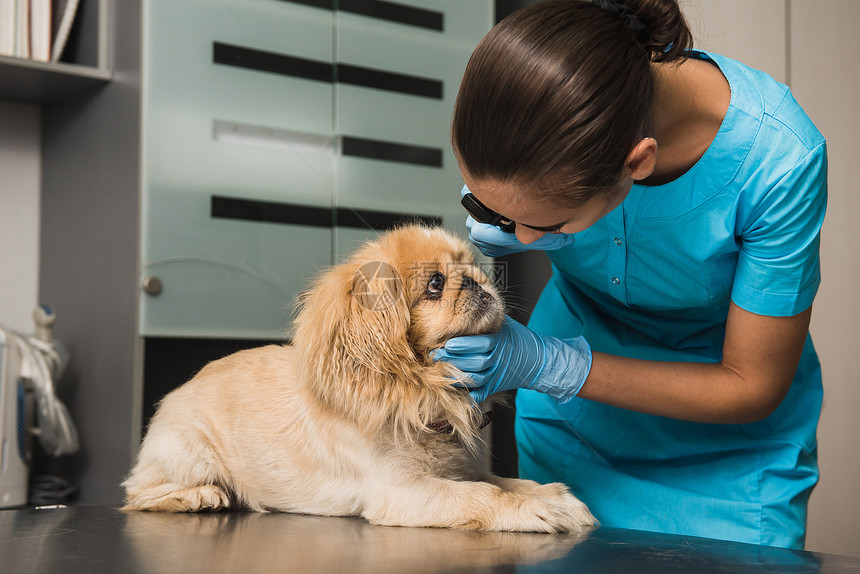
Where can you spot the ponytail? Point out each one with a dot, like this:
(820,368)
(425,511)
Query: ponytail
(668,37)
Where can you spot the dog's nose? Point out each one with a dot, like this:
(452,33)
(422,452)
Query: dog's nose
(486,297)
(470,284)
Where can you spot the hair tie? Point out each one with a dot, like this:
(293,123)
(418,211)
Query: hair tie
(624,13)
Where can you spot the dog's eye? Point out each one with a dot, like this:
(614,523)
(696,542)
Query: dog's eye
(436,284)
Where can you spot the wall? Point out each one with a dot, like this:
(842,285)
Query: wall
(784,38)
(20,180)
(825,78)
(88,261)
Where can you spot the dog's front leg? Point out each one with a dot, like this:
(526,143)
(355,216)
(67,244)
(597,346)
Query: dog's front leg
(430,501)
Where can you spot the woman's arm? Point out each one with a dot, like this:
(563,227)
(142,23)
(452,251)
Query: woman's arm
(760,357)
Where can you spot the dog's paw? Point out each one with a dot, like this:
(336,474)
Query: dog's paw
(565,514)
(577,519)
(578,516)
(195,499)
(548,508)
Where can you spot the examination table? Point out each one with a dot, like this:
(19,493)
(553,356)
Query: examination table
(101,539)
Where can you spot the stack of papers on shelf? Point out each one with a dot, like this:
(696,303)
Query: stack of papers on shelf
(36,29)
(40,30)
(10,22)
(61,25)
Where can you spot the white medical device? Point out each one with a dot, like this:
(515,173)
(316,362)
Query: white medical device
(29,365)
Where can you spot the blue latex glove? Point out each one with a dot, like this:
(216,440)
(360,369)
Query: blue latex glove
(517,357)
(494,242)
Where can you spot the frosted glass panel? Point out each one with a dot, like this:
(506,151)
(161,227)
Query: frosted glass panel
(186,95)
(225,277)
(348,240)
(222,130)
(293,115)
(401,118)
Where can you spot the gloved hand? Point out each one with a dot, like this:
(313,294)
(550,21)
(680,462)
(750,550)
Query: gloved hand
(517,357)
(493,242)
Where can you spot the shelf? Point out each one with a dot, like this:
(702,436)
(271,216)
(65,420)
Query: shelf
(33,82)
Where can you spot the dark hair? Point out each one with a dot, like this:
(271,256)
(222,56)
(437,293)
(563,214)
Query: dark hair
(556,95)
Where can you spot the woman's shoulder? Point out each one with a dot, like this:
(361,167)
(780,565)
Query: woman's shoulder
(758,96)
(765,138)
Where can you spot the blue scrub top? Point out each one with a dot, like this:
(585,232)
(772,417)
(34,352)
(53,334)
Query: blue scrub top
(653,280)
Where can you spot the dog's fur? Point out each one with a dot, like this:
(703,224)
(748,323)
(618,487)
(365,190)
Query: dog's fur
(346,421)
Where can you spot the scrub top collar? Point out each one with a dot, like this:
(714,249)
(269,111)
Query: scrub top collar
(744,115)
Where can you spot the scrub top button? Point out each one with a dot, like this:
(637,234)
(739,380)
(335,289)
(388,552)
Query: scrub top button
(616,280)
(617,241)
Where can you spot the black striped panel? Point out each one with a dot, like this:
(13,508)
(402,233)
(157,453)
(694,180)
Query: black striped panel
(270,212)
(251,59)
(389,81)
(326,4)
(389,151)
(295,214)
(390,11)
(274,63)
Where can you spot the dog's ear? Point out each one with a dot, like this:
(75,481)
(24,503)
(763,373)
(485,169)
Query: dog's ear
(353,353)
(353,322)
(377,321)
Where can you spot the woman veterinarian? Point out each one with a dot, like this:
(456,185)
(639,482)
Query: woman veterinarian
(671,379)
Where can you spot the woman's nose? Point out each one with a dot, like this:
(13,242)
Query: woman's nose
(526,235)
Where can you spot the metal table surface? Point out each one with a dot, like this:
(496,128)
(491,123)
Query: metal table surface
(101,539)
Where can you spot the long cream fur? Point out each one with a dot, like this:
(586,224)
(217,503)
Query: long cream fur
(343,422)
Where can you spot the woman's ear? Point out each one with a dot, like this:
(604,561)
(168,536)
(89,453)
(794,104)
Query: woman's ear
(642,159)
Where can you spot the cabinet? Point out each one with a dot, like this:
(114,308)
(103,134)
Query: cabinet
(84,64)
(276,135)
(240,146)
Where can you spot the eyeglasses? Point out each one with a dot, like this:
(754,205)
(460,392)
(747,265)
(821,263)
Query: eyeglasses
(483,214)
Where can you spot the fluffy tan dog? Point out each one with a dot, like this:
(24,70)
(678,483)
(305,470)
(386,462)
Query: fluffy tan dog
(352,419)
